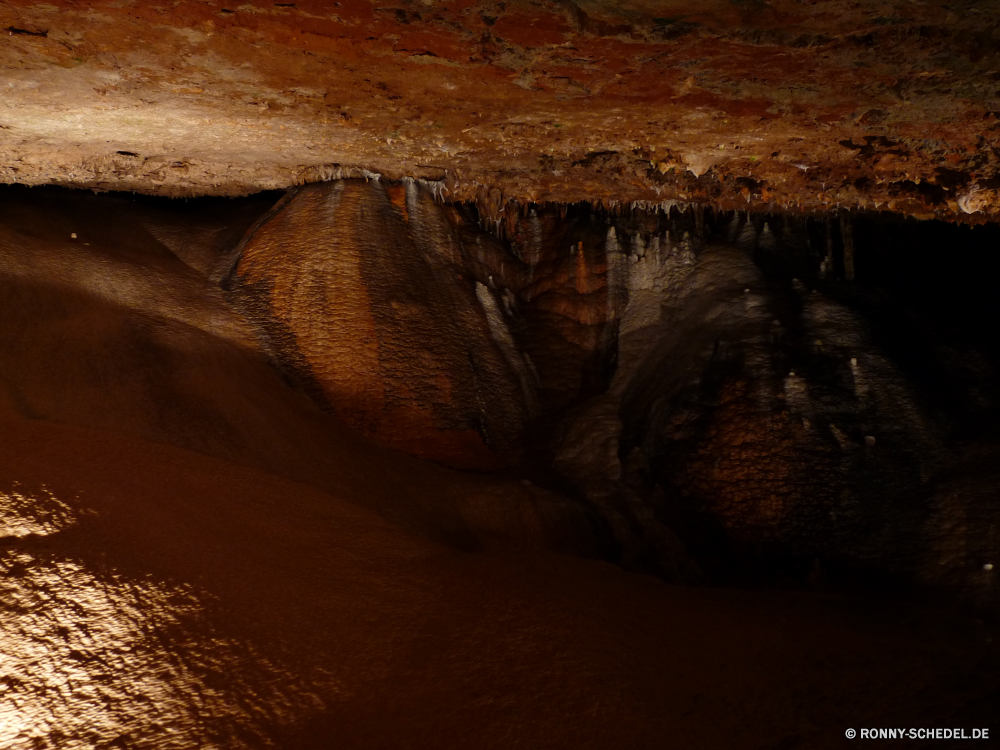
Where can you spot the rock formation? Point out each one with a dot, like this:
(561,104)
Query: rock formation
(757,105)
(209,508)
(727,422)
(512,374)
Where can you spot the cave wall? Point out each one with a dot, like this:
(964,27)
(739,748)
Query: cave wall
(550,307)
(191,521)
(710,383)
(111,330)
(701,395)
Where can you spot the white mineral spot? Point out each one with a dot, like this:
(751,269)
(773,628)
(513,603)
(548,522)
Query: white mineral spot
(854,362)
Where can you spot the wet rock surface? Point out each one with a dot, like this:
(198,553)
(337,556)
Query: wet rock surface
(363,295)
(208,510)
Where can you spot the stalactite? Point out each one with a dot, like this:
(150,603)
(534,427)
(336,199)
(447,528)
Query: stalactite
(748,234)
(847,235)
(436,187)
(513,213)
(581,282)
(767,240)
(826,267)
(733,226)
(616,274)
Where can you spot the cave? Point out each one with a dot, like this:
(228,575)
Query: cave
(495,374)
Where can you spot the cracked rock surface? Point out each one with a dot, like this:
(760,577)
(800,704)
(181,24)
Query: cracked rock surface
(772,105)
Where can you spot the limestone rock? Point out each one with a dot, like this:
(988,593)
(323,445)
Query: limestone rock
(364,300)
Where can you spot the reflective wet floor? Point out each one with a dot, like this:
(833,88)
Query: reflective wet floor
(194,555)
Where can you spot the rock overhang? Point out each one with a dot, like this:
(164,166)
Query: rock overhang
(763,106)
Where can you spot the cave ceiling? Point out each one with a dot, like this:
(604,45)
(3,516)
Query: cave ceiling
(518,374)
(776,106)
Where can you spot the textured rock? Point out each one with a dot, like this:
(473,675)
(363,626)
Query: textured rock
(726,421)
(242,610)
(182,531)
(777,428)
(110,330)
(364,299)
(758,105)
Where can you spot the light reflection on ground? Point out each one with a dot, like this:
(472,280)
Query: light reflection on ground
(89,659)
(24,514)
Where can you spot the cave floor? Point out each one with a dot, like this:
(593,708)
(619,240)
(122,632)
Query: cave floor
(162,598)
(194,554)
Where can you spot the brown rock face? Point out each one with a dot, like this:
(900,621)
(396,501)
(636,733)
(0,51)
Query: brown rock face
(181,529)
(123,328)
(724,420)
(744,104)
(552,306)
(363,295)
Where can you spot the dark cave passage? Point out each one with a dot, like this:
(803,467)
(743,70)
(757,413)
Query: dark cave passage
(710,397)
(226,415)
(479,374)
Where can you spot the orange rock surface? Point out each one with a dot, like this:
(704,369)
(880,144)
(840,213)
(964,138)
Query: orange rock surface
(802,107)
